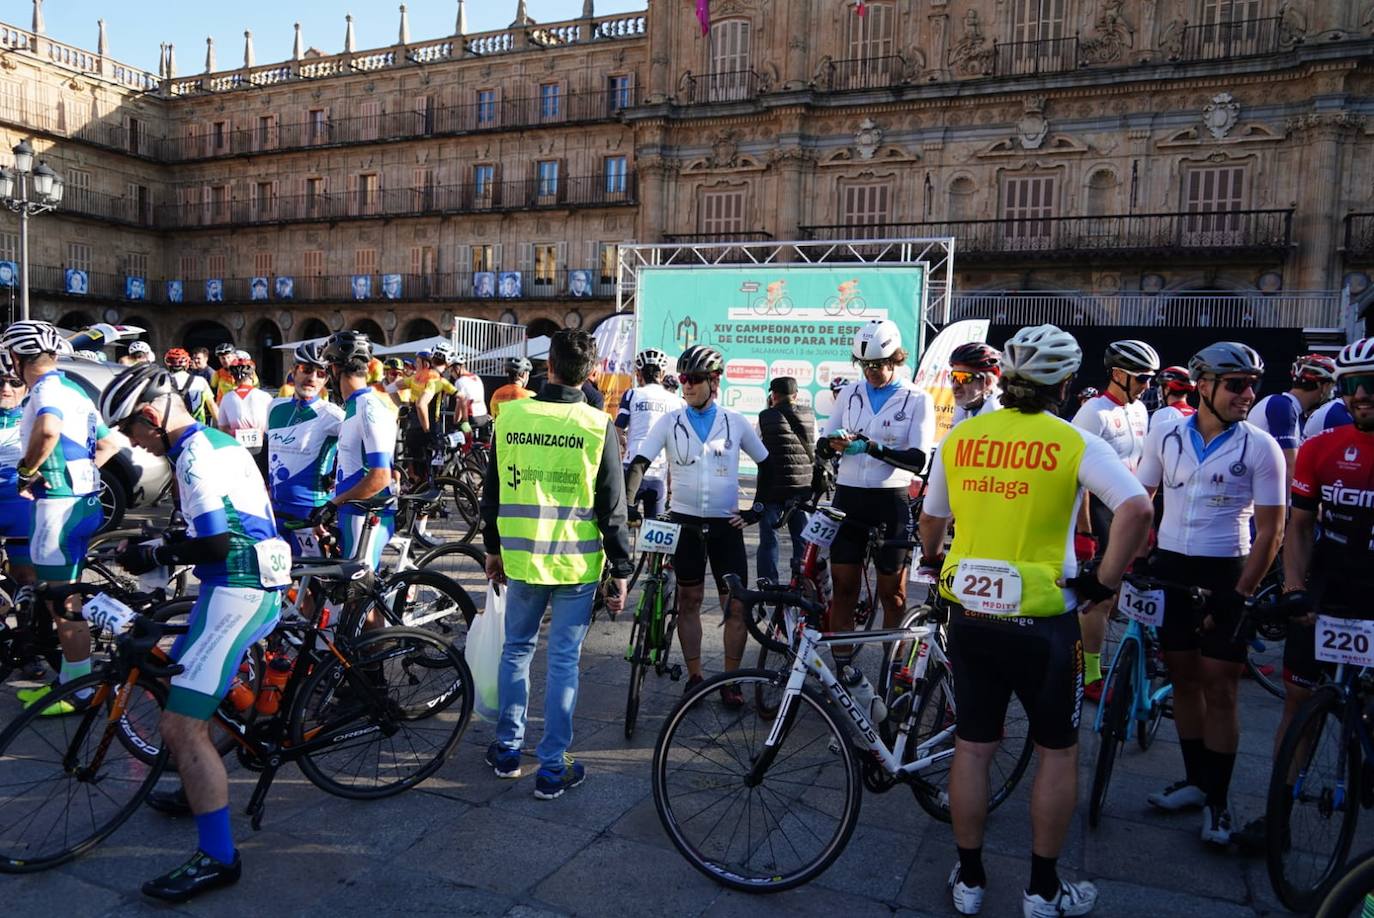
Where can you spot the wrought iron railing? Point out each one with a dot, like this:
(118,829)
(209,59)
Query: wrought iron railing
(1022,58)
(1182,309)
(726,86)
(863,73)
(1221,40)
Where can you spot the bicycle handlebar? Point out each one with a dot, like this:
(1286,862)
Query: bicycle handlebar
(768,595)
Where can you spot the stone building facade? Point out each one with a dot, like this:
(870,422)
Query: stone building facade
(1097,161)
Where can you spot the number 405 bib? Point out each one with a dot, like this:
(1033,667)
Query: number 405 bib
(989,587)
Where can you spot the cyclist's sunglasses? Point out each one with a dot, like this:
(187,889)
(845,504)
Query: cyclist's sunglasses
(1237,385)
(694,379)
(127,424)
(12,382)
(1350,385)
(321,372)
(1144,379)
(873,364)
(964,377)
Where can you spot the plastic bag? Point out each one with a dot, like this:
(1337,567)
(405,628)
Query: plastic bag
(486,639)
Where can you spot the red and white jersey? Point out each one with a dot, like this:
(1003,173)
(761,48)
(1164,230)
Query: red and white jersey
(1334,477)
(1123,426)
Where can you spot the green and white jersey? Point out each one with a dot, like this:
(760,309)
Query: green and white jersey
(221,491)
(69,470)
(302,447)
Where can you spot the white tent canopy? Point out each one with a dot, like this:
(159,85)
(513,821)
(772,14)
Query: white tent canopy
(535,348)
(405,347)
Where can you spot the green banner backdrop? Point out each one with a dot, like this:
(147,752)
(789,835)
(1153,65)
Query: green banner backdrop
(778,320)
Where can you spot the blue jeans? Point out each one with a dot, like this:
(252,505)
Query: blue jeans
(572,614)
(768,540)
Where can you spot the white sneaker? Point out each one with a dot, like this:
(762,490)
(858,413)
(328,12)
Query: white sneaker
(1178,796)
(1073,899)
(968,900)
(1216,825)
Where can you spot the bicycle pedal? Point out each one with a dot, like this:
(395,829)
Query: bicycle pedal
(675,672)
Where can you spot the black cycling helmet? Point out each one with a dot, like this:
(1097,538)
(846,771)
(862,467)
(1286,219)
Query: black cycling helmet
(1225,357)
(517,365)
(133,388)
(342,347)
(1133,356)
(310,353)
(700,359)
(976,354)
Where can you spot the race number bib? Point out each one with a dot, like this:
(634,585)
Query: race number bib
(249,437)
(1144,606)
(105,613)
(820,530)
(274,563)
(1345,640)
(308,544)
(455,439)
(989,587)
(659,536)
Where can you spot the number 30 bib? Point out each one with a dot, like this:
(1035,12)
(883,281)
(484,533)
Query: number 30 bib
(989,587)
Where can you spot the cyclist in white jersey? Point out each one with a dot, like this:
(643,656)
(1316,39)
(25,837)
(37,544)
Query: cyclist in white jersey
(1177,386)
(1332,414)
(242,567)
(703,441)
(640,409)
(195,390)
(302,447)
(367,448)
(974,370)
(1118,417)
(64,443)
(1281,415)
(243,409)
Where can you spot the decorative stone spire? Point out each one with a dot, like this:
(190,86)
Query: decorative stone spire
(298,46)
(461,28)
(522,15)
(38,27)
(171,61)
(162,60)
(404,36)
(102,46)
(209,54)
(349,44)
(248,60)
(588,9)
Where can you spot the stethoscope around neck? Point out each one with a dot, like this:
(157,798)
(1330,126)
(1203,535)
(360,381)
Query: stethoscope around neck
(1238,468)
(855,393)
(684,446)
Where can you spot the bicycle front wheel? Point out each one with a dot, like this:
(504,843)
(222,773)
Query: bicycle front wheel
(638,652)
(1348,897)
(64,784)
(1313,802)
(1116,721)
(388,720)
(429,600)
(763,833)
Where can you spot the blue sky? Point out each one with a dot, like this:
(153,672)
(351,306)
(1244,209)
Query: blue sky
(136,29)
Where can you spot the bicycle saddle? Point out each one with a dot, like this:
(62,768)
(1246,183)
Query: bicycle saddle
(373,503)
(328,569)
(422,497)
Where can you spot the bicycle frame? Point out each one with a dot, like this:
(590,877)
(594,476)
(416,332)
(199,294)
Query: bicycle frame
(655,587)
(807,661)
(1144,700)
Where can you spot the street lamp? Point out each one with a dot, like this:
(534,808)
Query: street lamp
(15,185)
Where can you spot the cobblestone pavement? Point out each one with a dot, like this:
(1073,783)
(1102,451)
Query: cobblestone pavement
(466,843)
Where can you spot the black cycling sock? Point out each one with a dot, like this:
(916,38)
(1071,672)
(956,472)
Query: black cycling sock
(1044,881)
(1220,767)
(971,867)
(1193,761)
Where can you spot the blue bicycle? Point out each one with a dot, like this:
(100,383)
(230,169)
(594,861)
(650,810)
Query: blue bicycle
(1138,693)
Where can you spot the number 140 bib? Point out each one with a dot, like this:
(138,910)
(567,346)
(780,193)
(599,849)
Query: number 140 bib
(989,587)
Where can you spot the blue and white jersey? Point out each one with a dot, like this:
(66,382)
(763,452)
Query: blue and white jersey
(640,408)
(367,440)
(1280,416)
(11,451)
(302,446)
(221,491)
(1325,417)
(69,470)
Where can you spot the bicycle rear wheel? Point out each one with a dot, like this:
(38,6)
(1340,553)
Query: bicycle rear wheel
(453,517)
(63,786)
(461,562)
(638,651)
(1120,700)
(426,691)
(765,836)
(1313,803)
(429,600)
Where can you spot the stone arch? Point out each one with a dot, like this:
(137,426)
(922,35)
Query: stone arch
(204,333)
(75,321)
(371,329)
(538,327)
(266,336)
(417,329)
(311,329)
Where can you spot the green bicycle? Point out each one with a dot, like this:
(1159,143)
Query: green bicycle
(651,634)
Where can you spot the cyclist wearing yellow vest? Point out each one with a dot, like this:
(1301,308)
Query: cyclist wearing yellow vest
(1014,479)
(553,511)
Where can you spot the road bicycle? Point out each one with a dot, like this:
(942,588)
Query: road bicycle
(780,305)
(1138,694)
(1353,893)
(766,804)
(655,619)
(363,718)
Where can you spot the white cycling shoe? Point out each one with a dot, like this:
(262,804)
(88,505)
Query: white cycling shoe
(1177,796)
(1073,899)
(968,900)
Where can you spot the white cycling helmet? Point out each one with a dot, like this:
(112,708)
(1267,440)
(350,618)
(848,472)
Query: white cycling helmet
(878,340)
(1356,357)
(132,388)
(1042,354)
(32,338)
(443,351)
(1133,356)
(651,357)
(140,347)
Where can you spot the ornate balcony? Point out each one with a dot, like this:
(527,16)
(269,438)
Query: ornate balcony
(1226,40)
(1359,237)
(1205,234)
(716,88)
(858,73)
(1027,58)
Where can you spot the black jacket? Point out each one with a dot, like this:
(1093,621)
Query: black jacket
(608,496)
(791,455)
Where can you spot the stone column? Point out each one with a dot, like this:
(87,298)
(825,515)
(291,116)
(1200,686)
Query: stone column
(660,15)
(796,72)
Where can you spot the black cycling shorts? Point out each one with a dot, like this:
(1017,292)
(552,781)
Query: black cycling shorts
(1040,660)
(1100,515)
(1181,631)
(865,509)
(723,547)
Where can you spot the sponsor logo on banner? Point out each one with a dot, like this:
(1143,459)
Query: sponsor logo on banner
(615,348)
(800,370)
(827,371)
(746,399)
(933,374)
(746,371)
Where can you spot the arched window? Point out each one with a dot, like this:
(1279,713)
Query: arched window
(1101,197)
(961,202)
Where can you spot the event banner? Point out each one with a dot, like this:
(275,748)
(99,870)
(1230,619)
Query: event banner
(933,375)
(778,320)
(615,349)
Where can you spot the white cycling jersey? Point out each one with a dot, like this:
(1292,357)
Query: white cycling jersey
(991,402)
(906,421)
(244,409)
(1211,491)
(471,388)
(302,443)
(640,409)
(367,439)
(1324,417)
(1170,414)
(705,475)
(1123,426)
(69,470)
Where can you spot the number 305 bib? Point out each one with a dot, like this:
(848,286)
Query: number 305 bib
(989,587)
